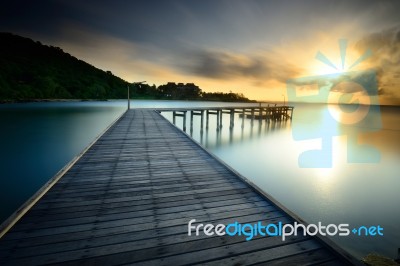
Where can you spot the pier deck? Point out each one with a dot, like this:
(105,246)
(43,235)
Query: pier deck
(128,199)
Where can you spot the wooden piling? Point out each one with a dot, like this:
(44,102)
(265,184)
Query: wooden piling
(191,120)
(232,118)
(243,116)
(220,117)
(184,121)
(218,114)
(207,117)
(201,120)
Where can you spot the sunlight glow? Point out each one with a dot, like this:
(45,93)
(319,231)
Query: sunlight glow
(339,159)
(318,69)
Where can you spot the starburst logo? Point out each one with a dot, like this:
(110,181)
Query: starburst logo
(343,51)
(352,98)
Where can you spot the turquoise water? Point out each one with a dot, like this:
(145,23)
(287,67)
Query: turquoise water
(38,139)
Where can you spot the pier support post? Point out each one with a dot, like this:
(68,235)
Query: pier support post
(191,120)
(174,117)
(232,118)
(220,117)
(184,121)
(201,120)
(218,114)
(220,122)
(207,117)
(252,116)
(243,115)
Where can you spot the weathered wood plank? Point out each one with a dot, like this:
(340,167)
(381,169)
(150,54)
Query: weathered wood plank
(168,228)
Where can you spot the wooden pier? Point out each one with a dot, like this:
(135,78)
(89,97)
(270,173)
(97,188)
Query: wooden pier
(260,113)
(128,200)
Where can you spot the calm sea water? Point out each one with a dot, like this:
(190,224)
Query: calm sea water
(38,139)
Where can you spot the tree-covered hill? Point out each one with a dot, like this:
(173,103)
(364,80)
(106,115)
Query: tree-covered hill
(30,70)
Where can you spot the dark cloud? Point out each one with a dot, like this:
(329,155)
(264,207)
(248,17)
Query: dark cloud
(223,65)
(170,24)
(346,88)
(385,47)
(30,17)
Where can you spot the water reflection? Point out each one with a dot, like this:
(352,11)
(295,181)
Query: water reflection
(38,139)
(242,131)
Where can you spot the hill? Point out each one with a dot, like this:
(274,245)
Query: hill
(30,70)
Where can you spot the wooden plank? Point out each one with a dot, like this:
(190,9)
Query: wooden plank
(54,213)
(165,214)
(171,227)
(172,254)
(313,257)
(175,243)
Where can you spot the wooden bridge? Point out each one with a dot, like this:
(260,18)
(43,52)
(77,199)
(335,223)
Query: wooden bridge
(252,112)
(128,198)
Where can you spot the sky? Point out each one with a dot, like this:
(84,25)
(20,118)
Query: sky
(250,47)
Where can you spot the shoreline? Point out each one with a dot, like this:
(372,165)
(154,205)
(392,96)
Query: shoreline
(105,100)
(51,100)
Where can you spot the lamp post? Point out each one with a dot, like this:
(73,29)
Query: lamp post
(284,100)
(129,100)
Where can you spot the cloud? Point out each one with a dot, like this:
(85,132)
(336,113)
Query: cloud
(385,47)
(231,66)
(129,60)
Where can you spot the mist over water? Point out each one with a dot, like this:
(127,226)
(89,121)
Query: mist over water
(38,139)
(360,194)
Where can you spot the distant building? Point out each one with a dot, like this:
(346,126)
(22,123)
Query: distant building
(180,91)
